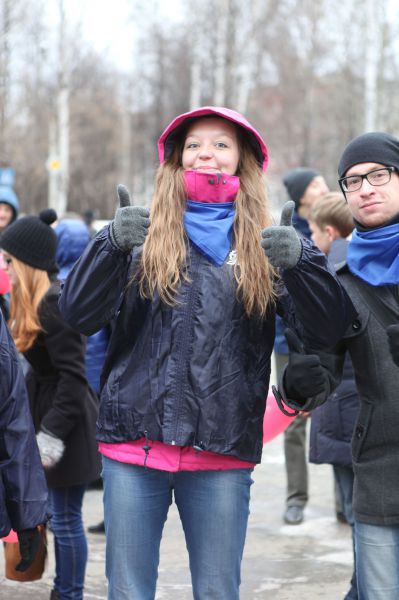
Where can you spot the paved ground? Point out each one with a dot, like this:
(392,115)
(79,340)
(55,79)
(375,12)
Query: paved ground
(310,561)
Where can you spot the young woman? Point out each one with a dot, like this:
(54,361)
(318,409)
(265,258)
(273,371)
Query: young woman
(192,298)
(63,407)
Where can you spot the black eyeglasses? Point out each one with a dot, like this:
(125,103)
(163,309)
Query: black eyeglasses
(376,177)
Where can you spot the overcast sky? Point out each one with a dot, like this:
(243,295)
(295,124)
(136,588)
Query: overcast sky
(106,24)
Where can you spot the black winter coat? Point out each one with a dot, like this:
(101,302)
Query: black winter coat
(62,403)
(375,443)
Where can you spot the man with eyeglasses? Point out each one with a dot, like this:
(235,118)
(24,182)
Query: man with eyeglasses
(369,179)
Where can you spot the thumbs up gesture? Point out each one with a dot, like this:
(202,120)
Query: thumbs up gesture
(281,243)
(130,225)
(304,376)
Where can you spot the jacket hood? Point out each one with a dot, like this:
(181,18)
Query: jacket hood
(73,237)
(8,196)
(168,139)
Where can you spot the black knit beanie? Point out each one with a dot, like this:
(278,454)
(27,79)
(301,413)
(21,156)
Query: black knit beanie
(296,181)
(375,147)
(32,241)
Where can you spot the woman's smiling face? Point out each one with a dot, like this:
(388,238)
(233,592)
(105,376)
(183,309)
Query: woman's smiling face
(211,146)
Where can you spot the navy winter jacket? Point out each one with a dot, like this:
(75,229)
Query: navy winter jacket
(195,373)
(23,488)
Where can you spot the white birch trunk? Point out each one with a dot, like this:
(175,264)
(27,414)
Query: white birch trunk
(59,133)
(221,50)
(246,78)
(371,63)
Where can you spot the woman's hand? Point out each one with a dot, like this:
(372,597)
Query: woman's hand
(281,243)
(51,449)
(304,376)
(130,225)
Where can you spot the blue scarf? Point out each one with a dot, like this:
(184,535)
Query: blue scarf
(374,255)
(210,228)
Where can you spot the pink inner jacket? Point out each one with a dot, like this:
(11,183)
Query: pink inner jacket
(170,458)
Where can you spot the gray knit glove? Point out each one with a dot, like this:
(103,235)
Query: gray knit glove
(281,243)
(130,225)
(51,449)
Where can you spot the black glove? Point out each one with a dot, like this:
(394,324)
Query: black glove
(304,376)
(29,542)
(393,340)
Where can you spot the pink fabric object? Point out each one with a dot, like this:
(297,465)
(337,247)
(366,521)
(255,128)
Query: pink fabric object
(214,188)
(5,285)
(166,141)
(4,282)
(170,458)
(11,537)
(274,421)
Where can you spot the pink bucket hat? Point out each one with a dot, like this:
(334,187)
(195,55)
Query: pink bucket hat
(167,140)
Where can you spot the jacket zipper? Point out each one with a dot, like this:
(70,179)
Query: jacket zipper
(185,339)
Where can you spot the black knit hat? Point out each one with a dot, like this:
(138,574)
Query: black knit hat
(375,147)
(32,241)
(296,181)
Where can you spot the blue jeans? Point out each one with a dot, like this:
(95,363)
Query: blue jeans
(213,508)
(69,541)
(344,477)
(377,554)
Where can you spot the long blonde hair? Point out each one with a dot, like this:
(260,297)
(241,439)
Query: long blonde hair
(26,295)
(163,261)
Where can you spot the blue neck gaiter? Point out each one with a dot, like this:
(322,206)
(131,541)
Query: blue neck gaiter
(210,228)
(373,255)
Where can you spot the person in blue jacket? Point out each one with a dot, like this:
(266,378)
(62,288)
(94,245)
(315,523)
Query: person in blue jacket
(23,488)
(192,294)
(333,423)
(73,237)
